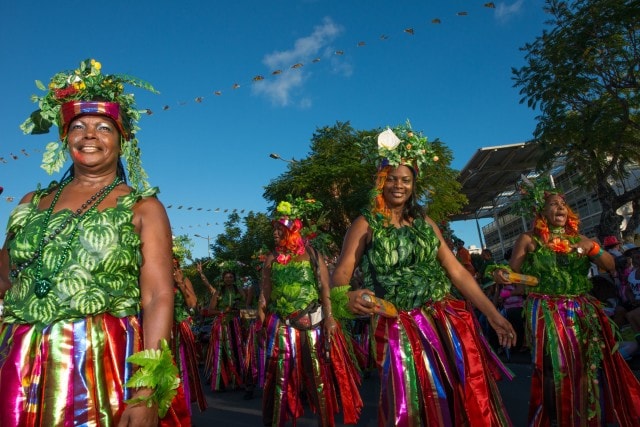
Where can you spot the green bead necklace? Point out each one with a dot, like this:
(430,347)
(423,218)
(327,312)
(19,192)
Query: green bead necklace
(43,285)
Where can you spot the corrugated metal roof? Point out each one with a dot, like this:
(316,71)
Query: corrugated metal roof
(489,178)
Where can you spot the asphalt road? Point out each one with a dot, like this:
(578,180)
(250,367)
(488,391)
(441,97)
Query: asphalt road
(230,409)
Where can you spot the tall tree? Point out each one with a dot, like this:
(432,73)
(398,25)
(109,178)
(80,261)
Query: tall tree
(582,74)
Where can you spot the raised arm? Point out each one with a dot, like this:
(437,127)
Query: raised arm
(186,288)
(212,290)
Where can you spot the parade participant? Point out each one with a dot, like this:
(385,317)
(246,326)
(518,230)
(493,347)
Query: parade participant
(434,365)
(224,361)
(464,257)
(86,272)
(253,354)
(579,378)
(306,351)
(184,344)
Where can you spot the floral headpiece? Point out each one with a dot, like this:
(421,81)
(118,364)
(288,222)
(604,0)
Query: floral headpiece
(299,214)
(399,146)
(87,91)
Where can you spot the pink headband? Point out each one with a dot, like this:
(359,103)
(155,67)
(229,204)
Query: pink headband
(292,224)
(72,109)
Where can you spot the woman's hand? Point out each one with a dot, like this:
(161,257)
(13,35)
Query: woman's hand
(499,276)
(504,330)
(583,247)
(140,414)
(330,326)
(178,276)
(358,305)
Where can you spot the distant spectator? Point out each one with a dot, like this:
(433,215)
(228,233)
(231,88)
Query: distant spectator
(486,258)
(633,295)
(612,245)
(464,257)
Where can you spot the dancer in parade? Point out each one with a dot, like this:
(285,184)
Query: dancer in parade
(86,272)
(184,341)
(225,355)
(435,367)
(579,377)
(306,351)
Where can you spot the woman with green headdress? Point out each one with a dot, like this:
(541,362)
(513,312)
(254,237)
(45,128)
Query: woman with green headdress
(435,367)
(579,378)
(225,354)
(306,351)
(86,272)
(184,340)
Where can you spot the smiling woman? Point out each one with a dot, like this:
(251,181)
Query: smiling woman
(82,258)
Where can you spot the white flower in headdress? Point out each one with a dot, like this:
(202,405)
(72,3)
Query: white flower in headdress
(388,140)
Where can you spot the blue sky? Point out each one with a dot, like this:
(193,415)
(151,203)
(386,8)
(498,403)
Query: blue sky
(371,62)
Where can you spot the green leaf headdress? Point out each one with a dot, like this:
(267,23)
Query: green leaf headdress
(394,147)
(399,146)
(533,194)
(87,91)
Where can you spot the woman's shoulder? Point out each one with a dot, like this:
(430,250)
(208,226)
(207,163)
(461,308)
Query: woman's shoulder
(134,197)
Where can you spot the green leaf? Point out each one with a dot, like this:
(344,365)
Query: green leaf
(40,86)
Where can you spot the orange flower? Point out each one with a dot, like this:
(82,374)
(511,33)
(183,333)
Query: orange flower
(559,245)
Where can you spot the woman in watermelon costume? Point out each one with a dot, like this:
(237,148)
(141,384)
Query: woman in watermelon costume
(86,272)
(435,367)
(579,377)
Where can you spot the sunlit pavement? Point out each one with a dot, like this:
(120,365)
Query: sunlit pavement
(230,409)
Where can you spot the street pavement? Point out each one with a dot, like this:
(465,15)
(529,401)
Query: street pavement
(230,409)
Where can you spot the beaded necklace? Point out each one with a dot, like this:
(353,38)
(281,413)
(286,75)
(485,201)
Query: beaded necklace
(43,285)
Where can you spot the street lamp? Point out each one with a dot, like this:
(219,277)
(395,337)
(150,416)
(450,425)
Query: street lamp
(277,157)
(208,243)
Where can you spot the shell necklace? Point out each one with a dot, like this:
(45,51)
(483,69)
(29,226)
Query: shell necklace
(43,285)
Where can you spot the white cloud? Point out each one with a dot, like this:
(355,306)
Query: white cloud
(504,12)
(279,88)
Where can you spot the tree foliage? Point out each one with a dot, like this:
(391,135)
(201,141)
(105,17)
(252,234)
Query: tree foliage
(582,75)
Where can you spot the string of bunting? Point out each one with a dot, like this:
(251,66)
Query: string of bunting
(256,79)
(298,65)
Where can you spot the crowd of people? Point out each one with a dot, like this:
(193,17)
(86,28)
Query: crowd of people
(101,326)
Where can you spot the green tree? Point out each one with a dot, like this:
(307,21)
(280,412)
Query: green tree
(238,244)
(582,75)
(334,174)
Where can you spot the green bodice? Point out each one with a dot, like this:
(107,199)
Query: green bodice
(180,309)
(403,263)
(99,275)
(558,273)
(293,287)
(229,298)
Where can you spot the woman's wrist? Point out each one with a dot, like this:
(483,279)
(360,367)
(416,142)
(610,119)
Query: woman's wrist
(596,251)
(340,302)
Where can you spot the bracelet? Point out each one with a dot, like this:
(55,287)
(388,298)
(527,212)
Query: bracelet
(158,372)
(595,250)
(339,302)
